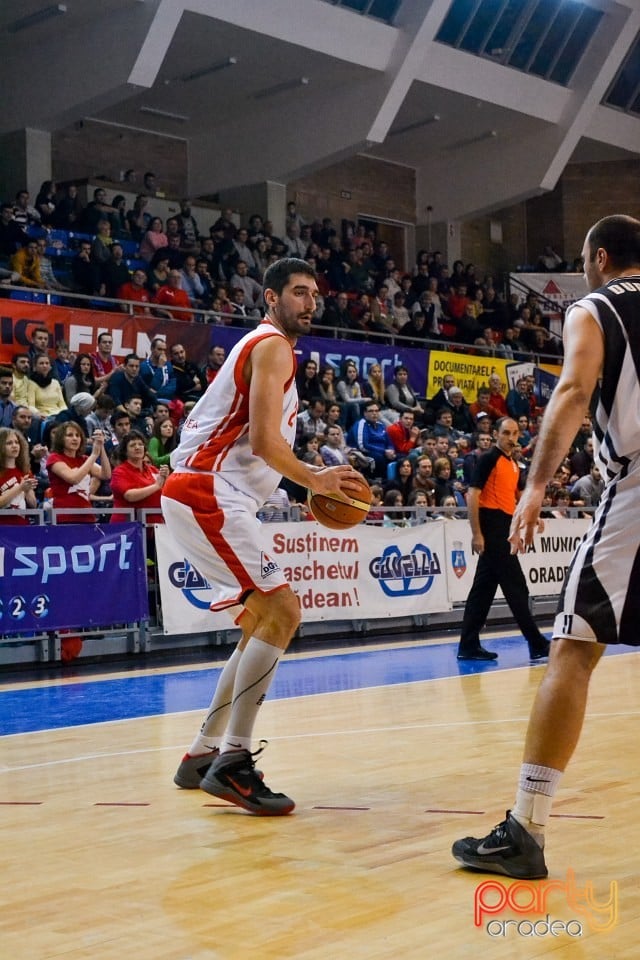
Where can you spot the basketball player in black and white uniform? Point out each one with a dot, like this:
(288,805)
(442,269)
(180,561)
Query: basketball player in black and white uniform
(600,603)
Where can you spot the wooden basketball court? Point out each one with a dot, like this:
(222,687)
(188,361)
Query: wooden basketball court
(104,858)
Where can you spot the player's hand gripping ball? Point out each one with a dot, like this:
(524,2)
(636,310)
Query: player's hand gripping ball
(340,511)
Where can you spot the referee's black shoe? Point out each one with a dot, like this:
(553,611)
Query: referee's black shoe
(539,652)
(478,654)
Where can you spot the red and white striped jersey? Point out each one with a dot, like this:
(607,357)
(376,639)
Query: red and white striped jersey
(215,437)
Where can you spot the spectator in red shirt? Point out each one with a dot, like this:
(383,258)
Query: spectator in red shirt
(136,290)
(172,295)
(135,482)
(17,483)
(403,434)
(71,471)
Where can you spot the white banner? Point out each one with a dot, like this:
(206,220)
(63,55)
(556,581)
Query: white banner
(560,288)
(367,573)
(544,565)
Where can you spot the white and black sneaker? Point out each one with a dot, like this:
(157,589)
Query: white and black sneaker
(509,850)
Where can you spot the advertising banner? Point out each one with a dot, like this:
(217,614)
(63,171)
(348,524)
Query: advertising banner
(367,573)
(72,575)
(544,565)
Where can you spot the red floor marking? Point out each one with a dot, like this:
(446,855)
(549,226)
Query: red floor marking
(21,803)
(577,816)
(478,813)
(122,804)
(341,808)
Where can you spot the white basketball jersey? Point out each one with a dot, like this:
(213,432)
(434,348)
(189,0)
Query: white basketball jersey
(215,437)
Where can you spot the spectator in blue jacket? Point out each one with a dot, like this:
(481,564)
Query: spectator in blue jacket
(369,436)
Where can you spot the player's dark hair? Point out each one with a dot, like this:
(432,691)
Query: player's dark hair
(276,276)
(619,235)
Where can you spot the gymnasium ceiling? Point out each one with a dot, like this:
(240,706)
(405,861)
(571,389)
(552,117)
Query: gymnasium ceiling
(273,89)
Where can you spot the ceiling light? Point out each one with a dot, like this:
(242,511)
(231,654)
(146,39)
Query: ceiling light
(281,88)
(205,71)
(165,114)
(24,23)
(487,135)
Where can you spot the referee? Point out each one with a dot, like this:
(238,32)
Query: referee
(491,502)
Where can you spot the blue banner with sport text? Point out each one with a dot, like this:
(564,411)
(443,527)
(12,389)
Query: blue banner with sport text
(76,575)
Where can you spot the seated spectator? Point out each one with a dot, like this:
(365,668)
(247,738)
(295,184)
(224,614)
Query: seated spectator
(402,478)
(139,419)
(80,405)
(172,295)
(24,213)
(153,239)
(419,501)
(100,255)
(582,462)
(84,273)
(164,440)
(444,485)
(156,372)
(26,263)
(49,279)
(588,489)
(20,367)
(187,226)
(82,379)
(373,388)
(12,235)
(206,282)
(46,203)
(119,224)
(68,209)
(311,423)
(120,427)
(334,451)
(250,287)
(400,396)
(276,508)
(44,394)
(158,273)
(100,419)
(423,477)
(369,436)
(350,393)
(327,385)
(126,381)
(403,434)
(135,290)
(17,483)
(7,405)
(62,362)
(392,501)
(518,400)
(307,382)
(115,272)
(135,483)
(462,419)
(95,211)
(189,382)
(191,282)
(215,358)
(137,218)
(70,470)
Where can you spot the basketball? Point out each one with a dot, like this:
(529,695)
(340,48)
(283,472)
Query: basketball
(340,511)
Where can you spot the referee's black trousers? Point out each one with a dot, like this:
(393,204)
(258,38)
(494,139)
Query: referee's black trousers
(497,567)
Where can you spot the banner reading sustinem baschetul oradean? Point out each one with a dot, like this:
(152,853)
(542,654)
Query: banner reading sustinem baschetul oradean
(368,573)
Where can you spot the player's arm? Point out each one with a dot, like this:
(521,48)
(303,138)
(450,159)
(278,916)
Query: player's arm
(582,366)
(268,369)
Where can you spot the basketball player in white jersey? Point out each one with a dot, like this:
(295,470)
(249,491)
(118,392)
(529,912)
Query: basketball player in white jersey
(235,447)
(600,602)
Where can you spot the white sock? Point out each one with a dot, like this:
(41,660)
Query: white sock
(254,675)
(215,722)
(536,789)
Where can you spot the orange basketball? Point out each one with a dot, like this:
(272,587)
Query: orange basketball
(340,511)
